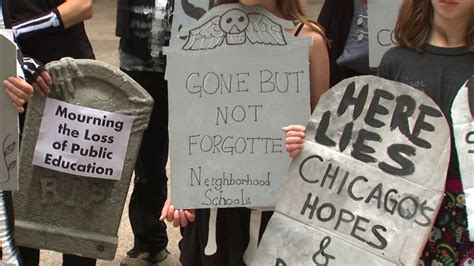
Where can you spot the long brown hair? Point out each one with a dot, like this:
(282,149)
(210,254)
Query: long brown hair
(291,10)
(415,24)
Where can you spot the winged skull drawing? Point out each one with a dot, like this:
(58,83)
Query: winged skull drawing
(235,27)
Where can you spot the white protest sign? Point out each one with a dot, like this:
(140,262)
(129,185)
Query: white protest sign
(383,16)
(237,80)
(463,129)
(368,183)
(82,141)
(187,13)
(8,117)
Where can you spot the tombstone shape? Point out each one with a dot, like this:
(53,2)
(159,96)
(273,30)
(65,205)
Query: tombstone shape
(70,213)
(383,16)
(9,147)
(368,183)
(234,84)
(462,114)
(8,119)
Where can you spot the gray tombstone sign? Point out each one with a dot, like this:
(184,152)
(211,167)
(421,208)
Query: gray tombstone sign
(236,81)
(462,114)
(73,213)
(8,120)
(368,184)
(382,18)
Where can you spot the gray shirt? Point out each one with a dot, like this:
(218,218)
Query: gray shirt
(438,72)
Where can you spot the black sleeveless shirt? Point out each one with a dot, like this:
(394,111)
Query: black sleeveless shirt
(50,46)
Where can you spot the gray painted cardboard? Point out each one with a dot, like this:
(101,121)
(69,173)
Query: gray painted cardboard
(226,113)
(344,194)
(463,131)
(186,13)
(68,213)
(383,16)
(8,119)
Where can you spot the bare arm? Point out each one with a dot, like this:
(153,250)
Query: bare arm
(318,68)
(75,11)
(319,83)
(63,16)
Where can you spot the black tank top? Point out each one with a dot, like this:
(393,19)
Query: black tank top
(298,30)
(54,45)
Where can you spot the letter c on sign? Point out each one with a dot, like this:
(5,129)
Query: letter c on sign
(302,165)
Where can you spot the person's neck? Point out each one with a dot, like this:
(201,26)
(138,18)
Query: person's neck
(448,33)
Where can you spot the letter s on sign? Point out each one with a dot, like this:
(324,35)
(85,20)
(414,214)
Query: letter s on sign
(470,140)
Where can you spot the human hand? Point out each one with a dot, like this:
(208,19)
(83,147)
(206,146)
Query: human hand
(19,91)
(42,84)
(294,139)
(178,217)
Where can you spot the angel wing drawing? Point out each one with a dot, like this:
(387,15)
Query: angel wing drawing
(235,27)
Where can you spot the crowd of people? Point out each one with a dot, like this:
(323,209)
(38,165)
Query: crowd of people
(436,46)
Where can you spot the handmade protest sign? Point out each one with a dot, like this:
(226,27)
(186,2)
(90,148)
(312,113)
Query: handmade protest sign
(92,106)
(187,13)
(462,114)
(234,84)
(82,141)
(8,118)
(9,148)
(368,183)
(383,16)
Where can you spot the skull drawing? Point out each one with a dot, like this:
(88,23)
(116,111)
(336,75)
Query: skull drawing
(233,23)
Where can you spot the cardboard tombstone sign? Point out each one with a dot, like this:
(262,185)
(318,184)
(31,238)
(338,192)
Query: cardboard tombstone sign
(74,143)
(382,19)
(234,84)
(368,183)
(187,13)
(8,119)
(9,148)
(462,114)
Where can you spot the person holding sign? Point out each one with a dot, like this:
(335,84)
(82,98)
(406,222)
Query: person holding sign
(142,35)
(19,91)
(233,225)
(48,31)
(436,55)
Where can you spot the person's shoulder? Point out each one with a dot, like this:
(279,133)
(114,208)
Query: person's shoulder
(314,31)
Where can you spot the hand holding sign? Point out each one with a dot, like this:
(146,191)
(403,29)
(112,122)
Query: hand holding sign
(294,139)
(19,91)
(178,217)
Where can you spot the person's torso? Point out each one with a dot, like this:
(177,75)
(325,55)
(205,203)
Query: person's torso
(438,72)
(148,32)
(54,45)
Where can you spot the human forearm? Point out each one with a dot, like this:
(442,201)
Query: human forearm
(65,15)
(75,11)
